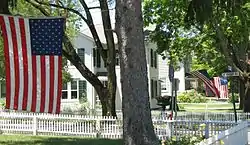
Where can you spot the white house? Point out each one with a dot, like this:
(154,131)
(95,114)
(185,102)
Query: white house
(80,88)
(179,75)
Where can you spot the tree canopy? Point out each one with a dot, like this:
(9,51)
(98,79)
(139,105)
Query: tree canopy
(215,32)
(197,27)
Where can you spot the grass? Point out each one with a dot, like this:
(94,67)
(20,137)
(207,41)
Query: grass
(48,140)
(209,107)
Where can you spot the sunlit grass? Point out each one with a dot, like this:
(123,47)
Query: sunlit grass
(48,140)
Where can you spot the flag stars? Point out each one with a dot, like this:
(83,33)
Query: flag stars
(46,36)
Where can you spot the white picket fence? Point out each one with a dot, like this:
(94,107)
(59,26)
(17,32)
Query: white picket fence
(100,127)
(214,116)
(236,135)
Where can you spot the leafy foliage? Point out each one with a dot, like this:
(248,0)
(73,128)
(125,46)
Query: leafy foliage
(189,27)
(236,98)
(191,97)
(186,140)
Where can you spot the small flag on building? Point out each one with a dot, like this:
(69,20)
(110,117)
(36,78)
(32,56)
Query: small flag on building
(33,63)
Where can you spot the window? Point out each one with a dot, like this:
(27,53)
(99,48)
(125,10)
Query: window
(73,89)
(155,59)
(82,90)
(151,58)
(65,91)
(152,88)
(155,89)
(81,53)
(163,84)
(98,58)
(94,56)
(117,57)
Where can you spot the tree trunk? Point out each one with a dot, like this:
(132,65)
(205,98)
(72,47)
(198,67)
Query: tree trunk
(137,122)
(111,55)
(246,106)
(242,93)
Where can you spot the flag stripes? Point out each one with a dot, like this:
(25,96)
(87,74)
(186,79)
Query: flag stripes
(207,81)
(223,89)
(33,82)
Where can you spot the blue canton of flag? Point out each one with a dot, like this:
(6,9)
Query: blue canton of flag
(223,81)
(46,36)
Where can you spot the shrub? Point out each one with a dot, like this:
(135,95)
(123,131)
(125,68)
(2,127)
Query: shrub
(2,103)
(185,140)
(191,97)
(236,98)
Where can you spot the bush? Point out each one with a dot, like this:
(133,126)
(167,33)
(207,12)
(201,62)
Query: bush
(185,140)
(2,103)
(236,98)
(191,97)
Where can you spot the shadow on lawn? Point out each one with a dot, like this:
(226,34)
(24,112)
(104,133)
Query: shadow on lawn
(61,141)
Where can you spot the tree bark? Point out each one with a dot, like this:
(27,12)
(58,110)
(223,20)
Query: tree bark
(246,107)
(246,97)
(111,55)
(137,122)
(242,93)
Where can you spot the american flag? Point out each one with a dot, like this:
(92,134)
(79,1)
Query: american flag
(33,63)
(222,87)
(202,74)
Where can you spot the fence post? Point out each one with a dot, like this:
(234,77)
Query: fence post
(98,128)
(34,125)
(207,130)
(168,129)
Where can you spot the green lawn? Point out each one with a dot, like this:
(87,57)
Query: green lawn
(210,107)
(48,140)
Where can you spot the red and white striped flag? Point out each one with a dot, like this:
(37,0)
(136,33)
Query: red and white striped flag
(222,88)
(33,63)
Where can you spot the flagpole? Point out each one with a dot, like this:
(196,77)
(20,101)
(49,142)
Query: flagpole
(235,113)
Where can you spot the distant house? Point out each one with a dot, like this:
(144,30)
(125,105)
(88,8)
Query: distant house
(179,75)
(80,88)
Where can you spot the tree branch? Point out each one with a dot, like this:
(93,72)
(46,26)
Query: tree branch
(94,8)
(224,46)
(93,30)
(42,10)
(72,56)
(65,8)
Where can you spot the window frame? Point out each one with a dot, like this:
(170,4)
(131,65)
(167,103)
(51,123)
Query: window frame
(83,60)
(74,90)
